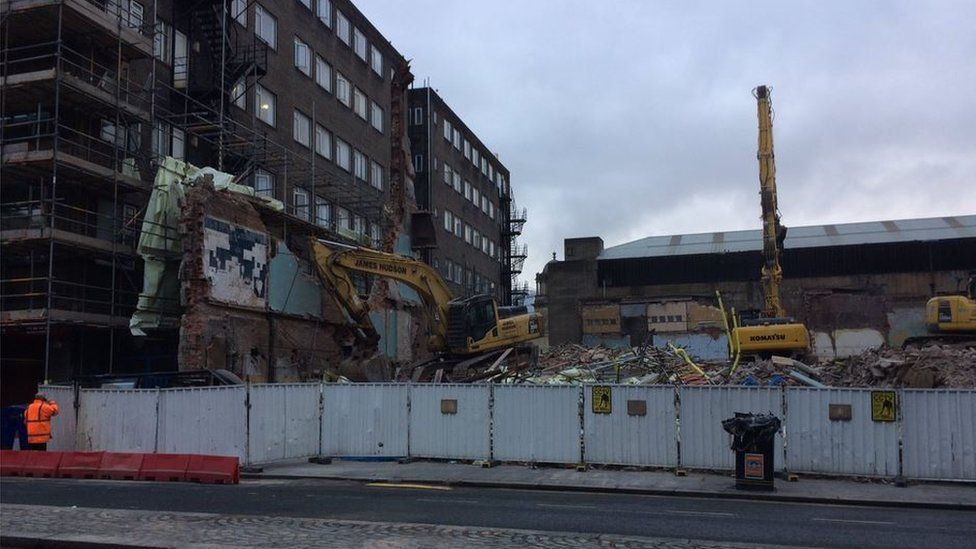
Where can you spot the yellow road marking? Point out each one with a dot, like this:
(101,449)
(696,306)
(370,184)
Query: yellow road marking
(407,485)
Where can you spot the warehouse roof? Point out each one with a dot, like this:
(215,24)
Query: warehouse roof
(816,236)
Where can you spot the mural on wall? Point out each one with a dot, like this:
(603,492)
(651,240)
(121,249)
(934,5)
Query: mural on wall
(236,263)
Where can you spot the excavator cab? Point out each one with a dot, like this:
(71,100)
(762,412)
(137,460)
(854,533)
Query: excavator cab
(472,317)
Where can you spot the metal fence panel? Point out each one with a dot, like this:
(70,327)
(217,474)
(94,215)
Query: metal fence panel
(858,446)
(704,444)
(450,421)
(938,434)
(64,425)
(117,420)
(283,422)
(204,420)
(619,438)
(536,423)
(364,420)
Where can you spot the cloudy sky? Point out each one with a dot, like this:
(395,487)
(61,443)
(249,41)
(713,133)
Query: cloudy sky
(631,118)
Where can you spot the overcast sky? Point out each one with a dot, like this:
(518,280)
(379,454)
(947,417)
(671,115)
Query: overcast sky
(626,119)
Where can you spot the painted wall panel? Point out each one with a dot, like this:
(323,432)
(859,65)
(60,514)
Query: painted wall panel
(818,445)
(117,420)
(294,287)
(205,420)
(704,443)
(939,434)
(461,435)
(621,439)
(284,421)
(235,260)
(536,423)
(365,419)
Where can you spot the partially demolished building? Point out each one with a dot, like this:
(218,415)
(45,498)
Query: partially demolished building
(303,102)
(855,285)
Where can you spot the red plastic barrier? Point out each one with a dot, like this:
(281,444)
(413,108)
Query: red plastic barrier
(12,463)
(80,464)
(213,470)
(164,467)
(41,464)
(120,466)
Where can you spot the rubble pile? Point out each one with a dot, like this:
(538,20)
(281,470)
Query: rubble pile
(647,365)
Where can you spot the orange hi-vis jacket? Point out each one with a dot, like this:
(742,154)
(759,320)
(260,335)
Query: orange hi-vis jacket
(38,417)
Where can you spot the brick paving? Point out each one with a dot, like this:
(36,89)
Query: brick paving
(168,529)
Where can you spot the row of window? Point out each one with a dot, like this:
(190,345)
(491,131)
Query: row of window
(345,92)
(452,178)
(457,273)
(266,28)
(455,225)
(167,140)
(478,159)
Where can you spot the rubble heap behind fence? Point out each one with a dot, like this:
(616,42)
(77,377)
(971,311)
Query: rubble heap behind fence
(920,434)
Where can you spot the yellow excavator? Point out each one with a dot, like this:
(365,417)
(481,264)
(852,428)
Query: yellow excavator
(463,332)
(772,332)
(950,318)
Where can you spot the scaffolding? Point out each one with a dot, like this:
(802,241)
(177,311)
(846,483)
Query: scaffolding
(88,110)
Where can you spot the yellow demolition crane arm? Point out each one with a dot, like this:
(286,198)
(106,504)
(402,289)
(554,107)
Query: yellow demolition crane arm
(773,232)
(336,261)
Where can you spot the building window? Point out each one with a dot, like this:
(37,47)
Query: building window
(374,233)
(376,175)
(359,163)
(264,104)
(325,12)
(491,210)
(323,212)
(342,27)
(266,27)
(418,163)
(418,116)
(447,175)
(181,60)
(343,155)
(447,130)
(306,3)
(474,157)
(457,181)
(457,139)
(467,149)
(360,104)
(484,204)
(475,239)
(343,91)
(376,116)
(343,219)
(238,94)
(238,11)
(160,138)
(359,225)
(323,74)
(302,129)
(475,196)
(163,42)
(467,190)
(263,184)
(448,220)
(299,199)
(458,227)
(179,144)
(491,248)
(359,44)
(468,234)
(303,58)
(323,142)
(376,60)
(484,245)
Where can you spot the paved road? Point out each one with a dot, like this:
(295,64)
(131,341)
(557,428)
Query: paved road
(707,520)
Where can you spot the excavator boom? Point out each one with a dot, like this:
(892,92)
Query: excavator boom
(773,232)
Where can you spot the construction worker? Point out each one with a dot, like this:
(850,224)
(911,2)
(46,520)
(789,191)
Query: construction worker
(38,418)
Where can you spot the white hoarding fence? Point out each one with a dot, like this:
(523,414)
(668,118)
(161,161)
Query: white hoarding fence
(939,434)
(630,425)
(536,423)
(64,425)
(205,420)
(851,443)
(365,420)
(704,443)
(284,421)
(450,421)
(117,420)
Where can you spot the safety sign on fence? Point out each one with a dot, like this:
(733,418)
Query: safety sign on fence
(602,399)
(883,406)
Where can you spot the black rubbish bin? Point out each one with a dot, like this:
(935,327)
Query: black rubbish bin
(752,442)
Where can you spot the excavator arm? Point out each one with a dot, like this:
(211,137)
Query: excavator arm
(773,232)
(335,262)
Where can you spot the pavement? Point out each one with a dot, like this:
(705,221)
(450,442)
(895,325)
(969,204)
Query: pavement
(310,512)
(961,496)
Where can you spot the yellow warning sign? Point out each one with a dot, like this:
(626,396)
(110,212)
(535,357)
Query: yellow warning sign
(601,400)
(883,406)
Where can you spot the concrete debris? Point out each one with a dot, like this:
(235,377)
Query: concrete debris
(571,363)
